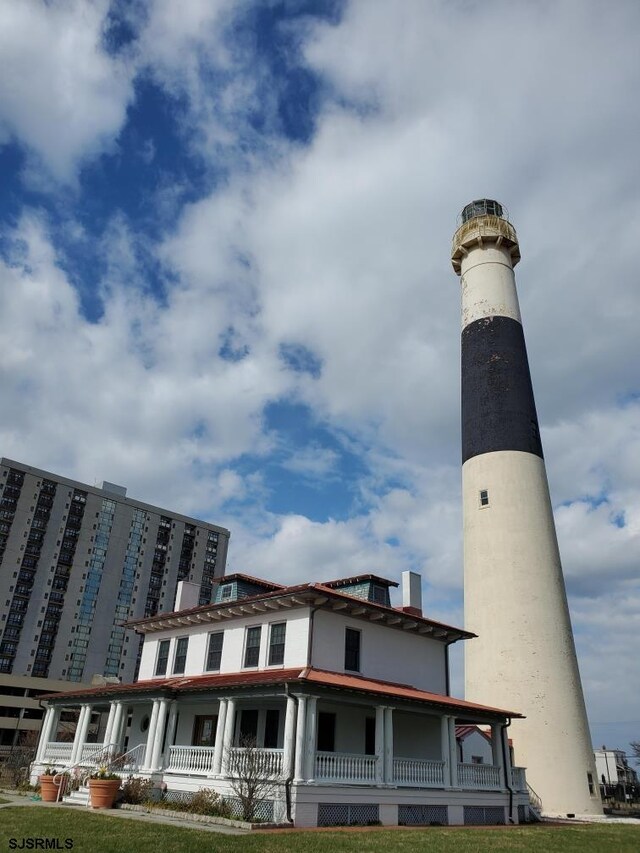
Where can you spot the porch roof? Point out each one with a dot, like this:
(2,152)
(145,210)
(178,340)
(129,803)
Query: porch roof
(174,687)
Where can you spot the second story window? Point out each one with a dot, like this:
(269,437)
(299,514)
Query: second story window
(352,650)
(163,657)
(252,646)
(180,659)
(276,643)
(214,653)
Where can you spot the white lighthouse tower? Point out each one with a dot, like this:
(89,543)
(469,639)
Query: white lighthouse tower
(514,593)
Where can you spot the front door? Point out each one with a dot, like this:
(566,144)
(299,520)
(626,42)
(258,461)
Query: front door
(204,730)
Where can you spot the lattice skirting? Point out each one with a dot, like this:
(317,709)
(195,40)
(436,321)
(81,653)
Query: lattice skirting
(348,814)
(483,815)
(422,815)
(263,811)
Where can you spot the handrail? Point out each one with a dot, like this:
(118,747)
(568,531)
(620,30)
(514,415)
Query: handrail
(106,751)
(534,799)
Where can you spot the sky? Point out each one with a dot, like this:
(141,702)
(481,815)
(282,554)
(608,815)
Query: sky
(225,278)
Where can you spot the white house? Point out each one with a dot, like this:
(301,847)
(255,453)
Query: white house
(615,775)
(346,697)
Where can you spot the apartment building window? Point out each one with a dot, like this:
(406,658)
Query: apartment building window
(276,643)
(180,658)
(352,650)
(252,646)
(163,657)
(214,653)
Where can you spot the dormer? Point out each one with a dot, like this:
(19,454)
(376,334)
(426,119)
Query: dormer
(368,587)
(234,587)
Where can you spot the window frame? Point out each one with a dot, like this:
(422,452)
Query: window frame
(257,629)
(207,663)
(353,632)
(273,646)
(179,641)
(161,645)
(483,498)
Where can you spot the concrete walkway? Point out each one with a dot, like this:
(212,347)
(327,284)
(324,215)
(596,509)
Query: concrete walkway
(28,800)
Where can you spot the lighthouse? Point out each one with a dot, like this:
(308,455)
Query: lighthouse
(514,594)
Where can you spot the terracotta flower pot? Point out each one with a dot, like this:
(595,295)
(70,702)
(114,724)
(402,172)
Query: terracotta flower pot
(48,791)
(103,792)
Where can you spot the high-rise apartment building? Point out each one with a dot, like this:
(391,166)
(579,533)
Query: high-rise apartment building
(76,561)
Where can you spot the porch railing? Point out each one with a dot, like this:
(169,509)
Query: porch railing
(418,773)
(95,753)
(58,752)
(345,767)
(262,762)
(191,759)
(518,779)
(484,777)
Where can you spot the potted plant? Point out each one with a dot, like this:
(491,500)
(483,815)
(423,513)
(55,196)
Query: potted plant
(103,788)
(48,790)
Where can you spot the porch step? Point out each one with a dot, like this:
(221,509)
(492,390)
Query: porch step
(78,798)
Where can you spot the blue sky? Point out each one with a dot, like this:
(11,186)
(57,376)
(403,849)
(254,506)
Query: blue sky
(225,276)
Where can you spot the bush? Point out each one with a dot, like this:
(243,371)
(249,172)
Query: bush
(136,790)
(207,802)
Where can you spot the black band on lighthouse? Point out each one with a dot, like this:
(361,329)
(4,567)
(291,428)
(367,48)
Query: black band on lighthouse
(498,409)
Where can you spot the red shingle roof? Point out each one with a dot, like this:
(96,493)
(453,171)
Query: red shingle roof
(325,678)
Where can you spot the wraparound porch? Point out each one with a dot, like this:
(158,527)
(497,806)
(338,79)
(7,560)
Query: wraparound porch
(299,726)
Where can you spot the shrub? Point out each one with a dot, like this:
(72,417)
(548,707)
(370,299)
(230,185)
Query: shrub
(136,790)
(207,802)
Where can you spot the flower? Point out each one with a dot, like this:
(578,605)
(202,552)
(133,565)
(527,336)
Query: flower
(104,773)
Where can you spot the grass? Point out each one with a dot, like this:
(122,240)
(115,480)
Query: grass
(95,832)
(2,801)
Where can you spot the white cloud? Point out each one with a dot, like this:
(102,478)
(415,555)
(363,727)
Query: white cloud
(61,94)
(341,246)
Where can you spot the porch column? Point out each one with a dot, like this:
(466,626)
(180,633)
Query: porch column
(289,737)
(300,739)
(45,733)
(106,740)
(172,724)
(151,734)
(453,753)
(220,731)
(504,736)
(81,734)
(156,753)
(445,750)
(312,724)
(116,729)
(388,746)
(496,752)
(379,748)
(227,742)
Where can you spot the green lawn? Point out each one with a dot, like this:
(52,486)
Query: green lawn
(96,833)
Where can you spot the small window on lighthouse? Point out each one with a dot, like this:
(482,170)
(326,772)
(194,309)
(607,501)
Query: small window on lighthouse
(484,497)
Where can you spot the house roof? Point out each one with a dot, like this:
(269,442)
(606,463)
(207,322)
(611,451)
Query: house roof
(302,595)
(239,576)
(464,731)
(296,676)
(359,579)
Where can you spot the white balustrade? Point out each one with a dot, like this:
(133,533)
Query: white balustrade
(191,759)
(57,752)
(345,767)
(94,753)
(418,773)
(265,763)
(484,777)
(518,779)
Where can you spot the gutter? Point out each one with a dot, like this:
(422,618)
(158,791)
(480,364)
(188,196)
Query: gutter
(507,782)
